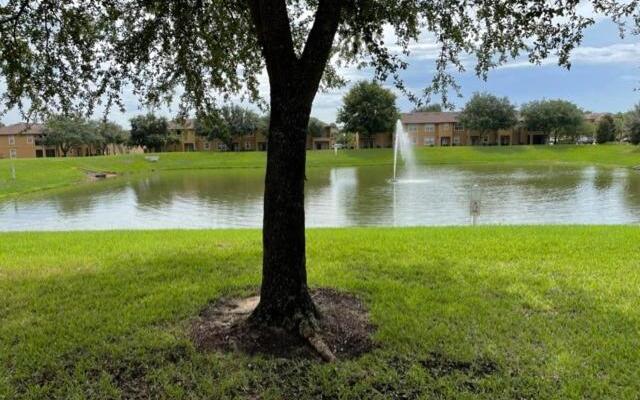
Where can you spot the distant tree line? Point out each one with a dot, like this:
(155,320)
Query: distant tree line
(68,132)
(369,108)
(227,123)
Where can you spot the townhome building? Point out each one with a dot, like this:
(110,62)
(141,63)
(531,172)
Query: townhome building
(23,140)
(444,129)
(189,140)
(27,140)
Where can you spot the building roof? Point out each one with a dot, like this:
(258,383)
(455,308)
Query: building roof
(21,128)
(429,117)
(594,117)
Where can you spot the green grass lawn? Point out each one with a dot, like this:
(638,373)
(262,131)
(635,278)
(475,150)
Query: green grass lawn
(554,310)
(40,174)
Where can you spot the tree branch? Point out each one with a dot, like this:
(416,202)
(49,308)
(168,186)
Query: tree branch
(273,29)
(16,16)
(320,41)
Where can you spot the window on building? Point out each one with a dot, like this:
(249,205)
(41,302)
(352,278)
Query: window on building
(445,127)
(30,139)
(12,140)
(412,127)
(429,141)
(207,145)
(247,145)
(13,153)
(456,140)
(459,127)
(430,128)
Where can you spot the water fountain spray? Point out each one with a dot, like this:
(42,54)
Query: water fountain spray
(403,147)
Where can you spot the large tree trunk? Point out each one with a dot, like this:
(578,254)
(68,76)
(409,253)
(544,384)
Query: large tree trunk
(294,80)
(284,298)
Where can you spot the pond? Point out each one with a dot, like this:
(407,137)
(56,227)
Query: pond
(358,196)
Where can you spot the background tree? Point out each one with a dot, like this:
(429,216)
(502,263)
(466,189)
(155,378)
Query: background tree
(346,139)
(632,124)
(316,127)
(212,49)
(621,131)
(151,132)
(228,122)
(485,113)
(606,130)
(585,132)
(92,139)
(367,109)
(240,121)
(65,132)
(212,126)
(428,108)
(111,134)
(552,117)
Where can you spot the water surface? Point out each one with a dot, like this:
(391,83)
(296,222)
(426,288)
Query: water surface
(358,196)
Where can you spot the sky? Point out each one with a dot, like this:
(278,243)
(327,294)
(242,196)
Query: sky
(604,75)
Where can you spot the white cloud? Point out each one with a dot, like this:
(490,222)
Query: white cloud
(621,53)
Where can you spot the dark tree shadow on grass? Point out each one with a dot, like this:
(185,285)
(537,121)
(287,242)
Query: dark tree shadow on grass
(442,333)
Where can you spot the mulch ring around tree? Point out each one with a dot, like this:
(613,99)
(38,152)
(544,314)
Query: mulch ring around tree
(344,326)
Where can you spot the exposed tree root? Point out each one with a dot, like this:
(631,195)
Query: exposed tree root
(309,331)
(342,332)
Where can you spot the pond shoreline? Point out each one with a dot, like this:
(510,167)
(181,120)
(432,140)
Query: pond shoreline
(34,175)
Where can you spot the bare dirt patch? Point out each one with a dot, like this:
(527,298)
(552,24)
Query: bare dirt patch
(97,176)
(344,326)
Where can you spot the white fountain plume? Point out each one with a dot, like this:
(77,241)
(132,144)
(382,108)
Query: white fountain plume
(404,148)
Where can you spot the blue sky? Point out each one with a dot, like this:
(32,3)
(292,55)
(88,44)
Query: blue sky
(605,72)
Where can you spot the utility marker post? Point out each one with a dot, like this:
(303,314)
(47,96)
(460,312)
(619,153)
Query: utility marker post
(474,204)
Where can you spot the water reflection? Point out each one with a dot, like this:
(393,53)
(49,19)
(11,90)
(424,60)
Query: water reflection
(340,197)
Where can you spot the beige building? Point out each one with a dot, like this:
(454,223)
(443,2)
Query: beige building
(443,129)
(326,140)
(24,140)
(189,140)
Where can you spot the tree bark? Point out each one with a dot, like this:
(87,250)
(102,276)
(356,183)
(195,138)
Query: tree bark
(284,297)
(294,82)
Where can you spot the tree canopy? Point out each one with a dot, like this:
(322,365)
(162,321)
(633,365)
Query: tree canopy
(230,121)
(606,130)
(553,117)
(368,108)
(485,113)
(151,132)
(632,124)
(79,54)
(66,132)
(316,127)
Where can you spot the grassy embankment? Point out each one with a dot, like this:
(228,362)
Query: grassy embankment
(491,312)
(40,174)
